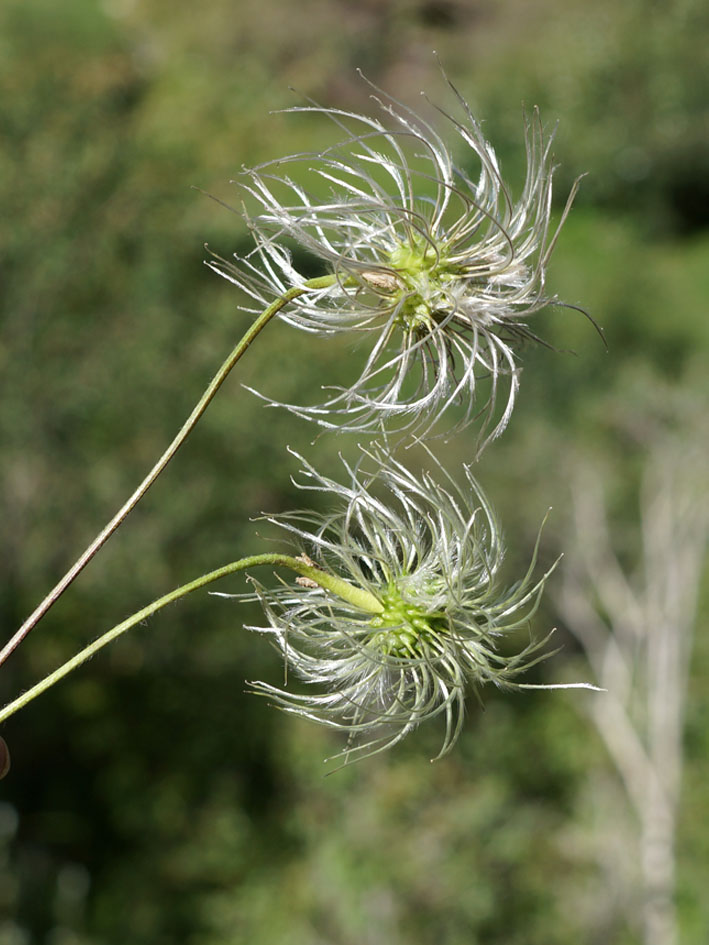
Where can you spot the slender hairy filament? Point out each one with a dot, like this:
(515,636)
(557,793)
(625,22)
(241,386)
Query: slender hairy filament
(256,327)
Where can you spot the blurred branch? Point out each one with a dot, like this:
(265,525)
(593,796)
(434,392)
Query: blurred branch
(637,634)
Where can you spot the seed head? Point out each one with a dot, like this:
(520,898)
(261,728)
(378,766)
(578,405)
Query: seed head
(441,269)
(430,553)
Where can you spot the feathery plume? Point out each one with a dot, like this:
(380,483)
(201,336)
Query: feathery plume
(442,270)
(430,553)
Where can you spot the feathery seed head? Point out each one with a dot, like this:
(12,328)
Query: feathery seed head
(443,269)
(430,553)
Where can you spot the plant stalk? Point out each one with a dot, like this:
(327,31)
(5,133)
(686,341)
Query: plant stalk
(204,401)
(353,595)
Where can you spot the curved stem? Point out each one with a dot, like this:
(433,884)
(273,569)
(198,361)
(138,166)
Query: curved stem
(184,432)
(354,595)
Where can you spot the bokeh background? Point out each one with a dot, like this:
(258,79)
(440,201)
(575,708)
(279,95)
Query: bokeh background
(152,800)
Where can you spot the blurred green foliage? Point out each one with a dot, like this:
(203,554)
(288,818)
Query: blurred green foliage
(151,800)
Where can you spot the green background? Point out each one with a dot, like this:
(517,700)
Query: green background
(151,800)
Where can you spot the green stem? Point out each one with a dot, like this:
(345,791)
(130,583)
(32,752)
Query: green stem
(184,432)
(353,595)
